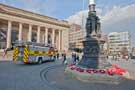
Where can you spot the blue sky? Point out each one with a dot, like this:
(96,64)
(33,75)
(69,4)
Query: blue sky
(62,9)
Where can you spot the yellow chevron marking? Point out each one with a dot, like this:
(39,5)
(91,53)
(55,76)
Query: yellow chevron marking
(25,56)
(15,54)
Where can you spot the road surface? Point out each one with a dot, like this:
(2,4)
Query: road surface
(47,76)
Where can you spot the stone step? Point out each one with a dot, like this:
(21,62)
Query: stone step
(7,57)
(132,75)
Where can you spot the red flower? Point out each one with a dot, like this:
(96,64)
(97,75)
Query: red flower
(79,69)
(110,72)
(89,70)
(70,65)
(73,68)
(102,71)
(118,70)
(95,71)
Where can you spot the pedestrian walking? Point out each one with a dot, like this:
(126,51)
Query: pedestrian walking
(77,58)
(64,59)
(8,49)
(54,57)
(5,52)
(57,56)
(126,57)
(73,57)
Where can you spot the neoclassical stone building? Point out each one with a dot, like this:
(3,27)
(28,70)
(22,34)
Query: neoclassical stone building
(18,24)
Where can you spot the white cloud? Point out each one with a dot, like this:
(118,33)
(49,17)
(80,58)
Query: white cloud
(115,20)
(118,14)
(78,17)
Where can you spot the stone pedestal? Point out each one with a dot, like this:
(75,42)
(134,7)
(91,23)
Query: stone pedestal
(93,54)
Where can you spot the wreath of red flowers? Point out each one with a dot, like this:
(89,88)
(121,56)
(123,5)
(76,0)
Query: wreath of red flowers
(110,71)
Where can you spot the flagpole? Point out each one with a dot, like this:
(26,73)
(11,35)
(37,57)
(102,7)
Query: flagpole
(82,14)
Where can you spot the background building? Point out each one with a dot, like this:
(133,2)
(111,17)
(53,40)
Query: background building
(76,36)
(17,24)
(117,41)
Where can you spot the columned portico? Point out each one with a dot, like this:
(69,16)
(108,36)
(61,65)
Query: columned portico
(9,34)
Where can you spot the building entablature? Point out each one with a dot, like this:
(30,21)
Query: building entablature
(32,16)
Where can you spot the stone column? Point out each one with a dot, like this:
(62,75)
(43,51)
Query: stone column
(59,42)
(9,34)
(43,38)
(46,36)
(20,31)
(53,37)
(38,35)
(30,33)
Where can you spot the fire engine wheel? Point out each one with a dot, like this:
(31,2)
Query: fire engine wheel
(40,60)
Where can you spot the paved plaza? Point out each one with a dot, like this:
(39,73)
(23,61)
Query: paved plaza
(50,76)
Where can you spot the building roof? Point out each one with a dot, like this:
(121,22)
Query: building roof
(31,15)
(116,33)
